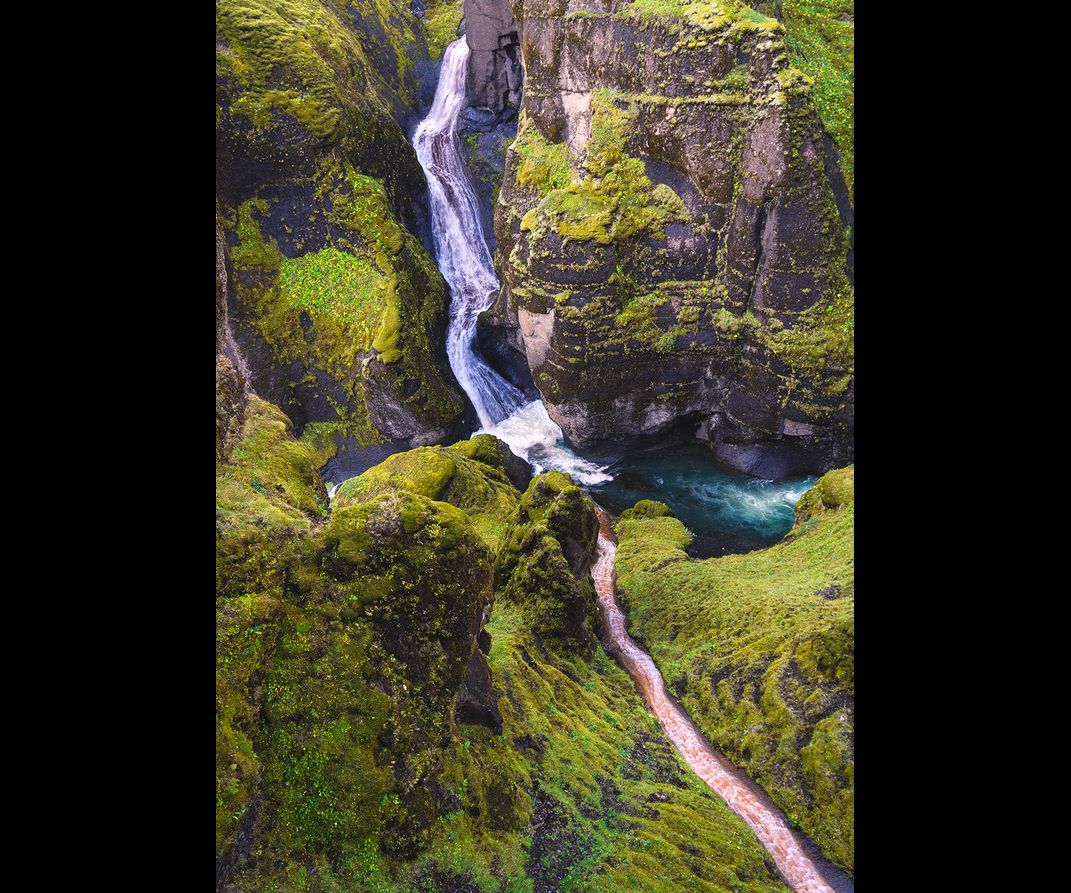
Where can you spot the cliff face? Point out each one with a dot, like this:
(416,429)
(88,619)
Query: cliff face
(373,734)
(495,73)
(671,250)
(338,310)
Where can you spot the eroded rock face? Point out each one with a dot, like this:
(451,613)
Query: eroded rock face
(348,650)
(337,308)
(495,74)
(544,562)
(230,383)
(671,250)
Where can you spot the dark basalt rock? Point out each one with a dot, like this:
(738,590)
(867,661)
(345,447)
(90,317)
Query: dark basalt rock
(544,562)
(312,155)
(725,307)
(230,384)
(494,71)
(475,700)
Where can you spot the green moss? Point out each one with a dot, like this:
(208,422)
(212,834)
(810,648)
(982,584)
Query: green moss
(269,477)
(309,91)
(647,508)
(337,284)
(639,319)
(833,489)
(268,496)
(358,699)
(339,651)
(299,59)
(613,199)
(441,20)
(543,165)
(701,15)
(763,646)
(469,475)
(820,36)
(821,342)
(374,293)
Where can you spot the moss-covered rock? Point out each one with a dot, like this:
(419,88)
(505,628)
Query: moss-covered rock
(343,642)
(647,508)
(544,560)
(820,36)
(339,310)
(472,475)
(269,496)
(760,649)
(365,742)
(669,237)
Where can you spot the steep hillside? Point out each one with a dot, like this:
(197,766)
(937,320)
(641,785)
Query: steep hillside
(373,734)
(760,649)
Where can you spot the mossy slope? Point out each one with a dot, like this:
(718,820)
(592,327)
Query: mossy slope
(760,649)
(820,36)
(471,475)
(341,643)
(338,308)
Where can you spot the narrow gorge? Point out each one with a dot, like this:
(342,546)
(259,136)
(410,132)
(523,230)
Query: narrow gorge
(534,329)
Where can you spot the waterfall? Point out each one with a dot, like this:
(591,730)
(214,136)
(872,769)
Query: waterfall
(465,261)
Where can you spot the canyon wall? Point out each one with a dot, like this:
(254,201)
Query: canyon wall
(671,249)
(337,307)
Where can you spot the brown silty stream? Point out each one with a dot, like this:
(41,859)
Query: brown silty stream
(797,859)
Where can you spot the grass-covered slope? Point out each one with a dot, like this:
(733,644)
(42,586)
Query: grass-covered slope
(820,36)
(760,649)
(345,641)
(338,308)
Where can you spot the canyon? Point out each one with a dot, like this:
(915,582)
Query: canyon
(475,261)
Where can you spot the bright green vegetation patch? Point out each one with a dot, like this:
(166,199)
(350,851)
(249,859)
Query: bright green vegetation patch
(543,165)
(469,475)
(372,292)
(703,15)
(336,283)
(441,20)
(820,36)
(614,199)
(269,476)
(762,647)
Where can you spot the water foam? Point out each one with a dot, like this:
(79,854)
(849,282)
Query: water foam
(465,261)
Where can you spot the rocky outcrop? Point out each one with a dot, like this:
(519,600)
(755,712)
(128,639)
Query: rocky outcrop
(338,310)
(495,74)
(544,562)
(493,85)
(671,250)
(347,651)
(230,383)
(369,733)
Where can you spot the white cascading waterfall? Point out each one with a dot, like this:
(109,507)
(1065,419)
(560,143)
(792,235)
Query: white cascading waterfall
(465,262)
